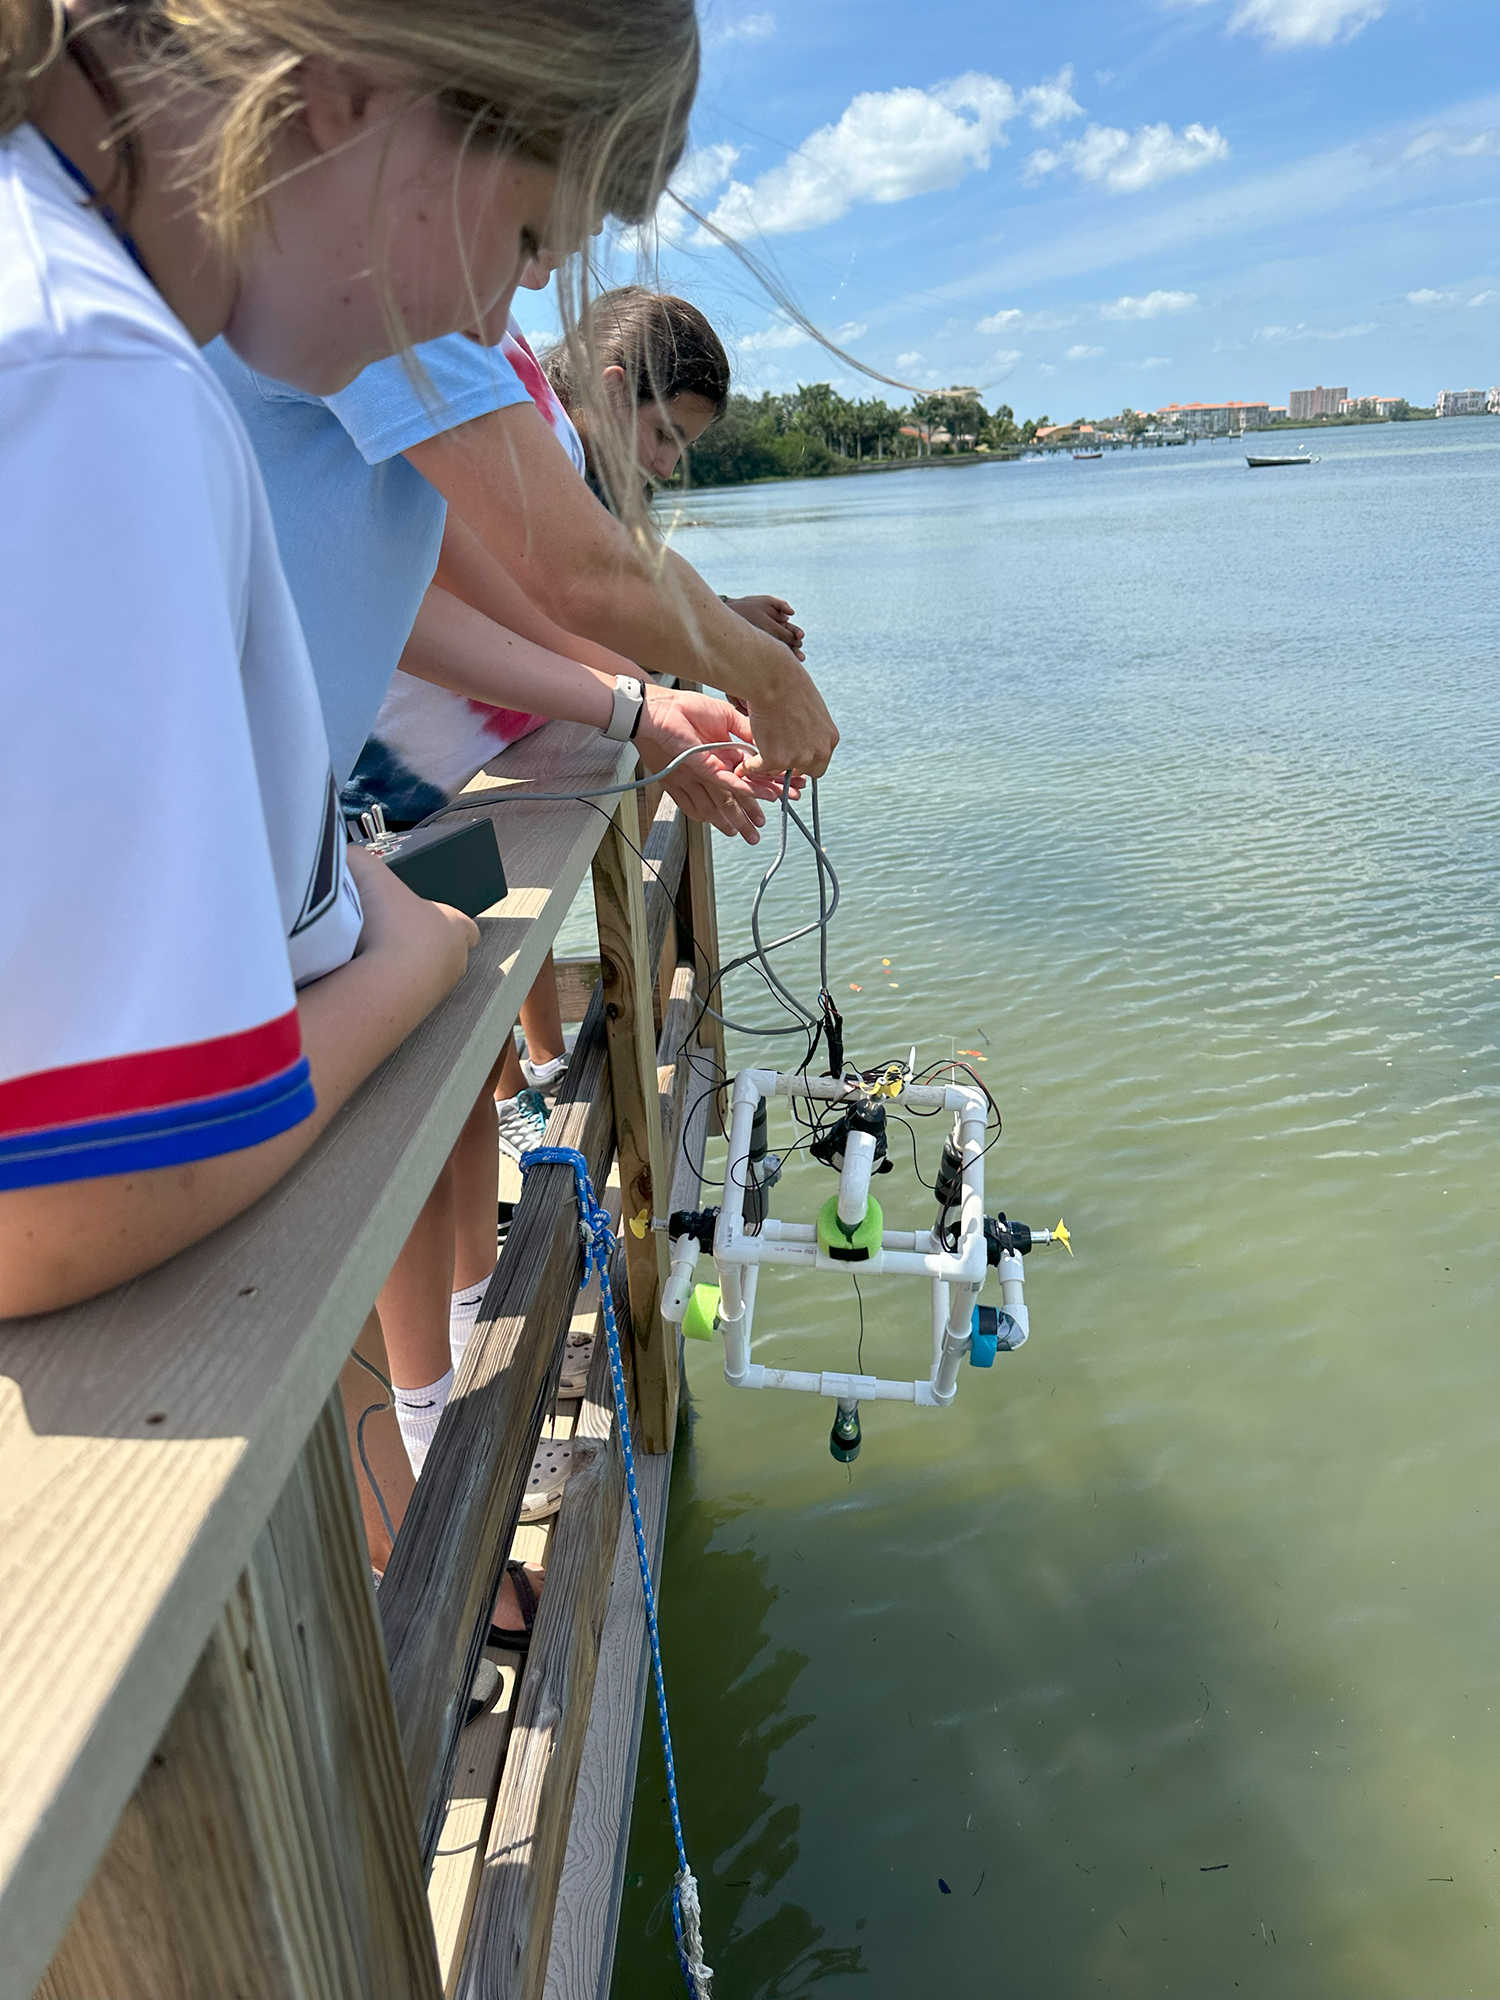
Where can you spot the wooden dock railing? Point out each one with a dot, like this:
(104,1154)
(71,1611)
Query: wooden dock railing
(227,1763)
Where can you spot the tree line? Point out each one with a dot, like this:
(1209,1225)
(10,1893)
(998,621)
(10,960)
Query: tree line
(812,430)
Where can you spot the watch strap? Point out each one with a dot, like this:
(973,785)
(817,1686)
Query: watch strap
(630,706)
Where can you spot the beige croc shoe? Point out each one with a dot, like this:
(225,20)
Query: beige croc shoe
(548,1476)
(575,1368)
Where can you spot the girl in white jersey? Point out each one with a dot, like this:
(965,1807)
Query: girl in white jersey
(179,986)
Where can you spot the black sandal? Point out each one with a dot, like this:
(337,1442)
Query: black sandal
(508,1640)
(482,1690)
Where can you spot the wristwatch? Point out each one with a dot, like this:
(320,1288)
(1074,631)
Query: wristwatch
(630,706)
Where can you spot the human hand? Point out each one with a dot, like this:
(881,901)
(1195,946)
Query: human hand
(773,616)
(792,727)
(426,944)
(710,786)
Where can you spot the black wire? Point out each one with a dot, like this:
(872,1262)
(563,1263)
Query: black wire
(859,1358)
(359,1439)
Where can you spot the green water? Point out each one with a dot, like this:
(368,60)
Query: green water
(1172,1647)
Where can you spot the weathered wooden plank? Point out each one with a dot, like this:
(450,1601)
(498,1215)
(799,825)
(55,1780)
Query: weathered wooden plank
(588,1898)
(269,1846)
(511,1930)
(187,1395)
(455,1867)
(446,1565)
(626,977)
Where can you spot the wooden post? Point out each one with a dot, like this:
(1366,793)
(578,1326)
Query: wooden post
(270,1847)
(628,978)
(703,922)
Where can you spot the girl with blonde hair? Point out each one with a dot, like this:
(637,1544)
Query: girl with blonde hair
(192,980)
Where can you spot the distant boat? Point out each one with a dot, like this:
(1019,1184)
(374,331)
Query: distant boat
(1297,458)
(1088,454)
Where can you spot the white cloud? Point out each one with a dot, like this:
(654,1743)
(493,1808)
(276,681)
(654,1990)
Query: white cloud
(748,28)
(1045,368)
(1003,363)
(851,330)
(1157,361)
(780,333)
(1125,162)
(703,170)
(1290,24)
(1082,353)
(999,321)
(1427,297)
(888,146)
(909,360)
(1150,305)
(1483,298)
(1277,336)
(1446,143)
(1051,101)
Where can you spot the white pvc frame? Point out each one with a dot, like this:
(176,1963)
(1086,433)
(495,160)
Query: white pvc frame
(956,1276)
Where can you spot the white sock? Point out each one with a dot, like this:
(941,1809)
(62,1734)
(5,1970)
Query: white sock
(417,1413)
(539,1075)
(463,1311)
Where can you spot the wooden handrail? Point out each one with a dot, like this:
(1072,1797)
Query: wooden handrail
(445,1568)
(146,1437)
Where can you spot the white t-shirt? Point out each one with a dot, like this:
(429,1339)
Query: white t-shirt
(175,863)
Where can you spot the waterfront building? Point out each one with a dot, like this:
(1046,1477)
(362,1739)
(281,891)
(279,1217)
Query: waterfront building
(1369,406)
(1215,419)
(1320,402)
(1462,403)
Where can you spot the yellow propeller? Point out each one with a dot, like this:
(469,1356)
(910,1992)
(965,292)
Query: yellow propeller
(1060,1235)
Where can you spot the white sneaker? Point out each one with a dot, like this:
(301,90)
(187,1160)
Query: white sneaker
(542,1076)
(523,1121)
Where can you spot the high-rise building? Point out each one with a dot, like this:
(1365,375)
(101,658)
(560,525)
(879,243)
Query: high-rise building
(1320,402)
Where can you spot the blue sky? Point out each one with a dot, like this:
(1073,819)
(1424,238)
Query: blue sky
(1099,202)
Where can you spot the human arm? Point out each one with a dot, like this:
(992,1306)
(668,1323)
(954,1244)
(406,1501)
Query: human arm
(73,1239)
(512,483)
(773,616)
(454,646)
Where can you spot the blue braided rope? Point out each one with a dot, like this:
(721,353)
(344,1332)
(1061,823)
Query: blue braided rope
(598,1246)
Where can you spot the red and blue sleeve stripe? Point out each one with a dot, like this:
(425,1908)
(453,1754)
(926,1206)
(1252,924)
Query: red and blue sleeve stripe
(155,1108)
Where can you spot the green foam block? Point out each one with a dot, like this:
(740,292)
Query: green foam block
(850,1246)
(702,1316)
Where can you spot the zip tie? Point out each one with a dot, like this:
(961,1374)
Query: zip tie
(598,1245)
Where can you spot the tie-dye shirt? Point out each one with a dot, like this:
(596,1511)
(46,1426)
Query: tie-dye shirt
(428,742)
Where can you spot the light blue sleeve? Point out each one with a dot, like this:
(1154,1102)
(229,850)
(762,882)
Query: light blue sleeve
(385,412)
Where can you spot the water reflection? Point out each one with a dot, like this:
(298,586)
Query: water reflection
(740,1840)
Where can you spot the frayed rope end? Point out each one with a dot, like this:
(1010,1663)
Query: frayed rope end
(691,1914)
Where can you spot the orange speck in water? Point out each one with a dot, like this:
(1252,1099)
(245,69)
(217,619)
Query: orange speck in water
(855,989)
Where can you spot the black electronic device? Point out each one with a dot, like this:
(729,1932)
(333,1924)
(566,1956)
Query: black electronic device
(458,865)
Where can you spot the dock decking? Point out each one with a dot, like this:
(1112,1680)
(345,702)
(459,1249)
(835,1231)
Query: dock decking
(229,1767)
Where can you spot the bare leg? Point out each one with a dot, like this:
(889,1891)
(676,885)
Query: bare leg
(541,1017)
(413,1303)
(509,1079)
(382,1441)
(476,1179)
